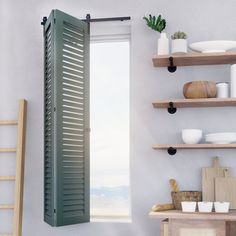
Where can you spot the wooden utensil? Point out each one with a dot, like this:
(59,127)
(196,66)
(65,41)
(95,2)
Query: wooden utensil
(163,207)
(208,179)
(225,189)
(200,89)
(174,186)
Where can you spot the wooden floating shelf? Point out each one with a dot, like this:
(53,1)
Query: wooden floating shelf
(192,59)
(177,214)
(195,146)
(207,102)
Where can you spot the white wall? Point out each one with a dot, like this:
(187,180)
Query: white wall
(21,76)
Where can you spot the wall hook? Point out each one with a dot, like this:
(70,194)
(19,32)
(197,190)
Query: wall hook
(172,151)
(171,68)
(171,109)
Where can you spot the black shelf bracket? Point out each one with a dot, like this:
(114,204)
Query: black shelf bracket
(44,20)
(171,109)
(171,151)
(171,68)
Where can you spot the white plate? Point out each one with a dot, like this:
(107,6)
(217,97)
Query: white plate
(213,46)
(221,138)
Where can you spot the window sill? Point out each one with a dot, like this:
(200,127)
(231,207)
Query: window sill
(110,219)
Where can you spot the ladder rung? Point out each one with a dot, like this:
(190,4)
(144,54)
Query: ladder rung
(7,178)
(6,234)
(6,206)
(7,149)
(8,122)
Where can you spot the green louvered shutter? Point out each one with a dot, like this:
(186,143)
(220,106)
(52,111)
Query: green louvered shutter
(66,120)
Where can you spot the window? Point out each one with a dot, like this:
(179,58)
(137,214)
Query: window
(109,122)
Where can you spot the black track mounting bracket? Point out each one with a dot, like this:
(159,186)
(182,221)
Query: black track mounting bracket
(171,109)
(171,151)
(44,20)
(171,68)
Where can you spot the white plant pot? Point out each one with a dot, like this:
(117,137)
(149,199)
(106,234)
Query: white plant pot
(205,206)
(188,206)
(163,45)
(179,46)
(221,207)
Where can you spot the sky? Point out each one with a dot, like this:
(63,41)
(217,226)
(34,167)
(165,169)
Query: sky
(109,114)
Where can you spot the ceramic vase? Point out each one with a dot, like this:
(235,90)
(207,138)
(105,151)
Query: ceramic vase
(163,45)
(179,46)
(233,81)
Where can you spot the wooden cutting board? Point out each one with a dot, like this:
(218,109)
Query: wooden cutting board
(225,190)
(208,179)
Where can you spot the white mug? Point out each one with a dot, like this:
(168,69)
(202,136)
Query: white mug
(222,90)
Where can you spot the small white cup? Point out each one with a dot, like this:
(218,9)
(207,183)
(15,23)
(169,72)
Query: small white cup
(222,90)
(221,207)
(188,206)
(205,206)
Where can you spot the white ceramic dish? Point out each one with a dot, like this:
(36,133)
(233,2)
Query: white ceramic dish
(191,136)
(221,138)
(188,206)
(221,207)
(205,206)
(213,46)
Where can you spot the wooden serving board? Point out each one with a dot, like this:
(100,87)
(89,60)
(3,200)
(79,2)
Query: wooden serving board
(208,179)
(225,188)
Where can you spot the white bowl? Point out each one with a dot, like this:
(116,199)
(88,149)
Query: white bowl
(188,206)
(213,46)
(205,206)
(191,136)
(221,138)
(221,207)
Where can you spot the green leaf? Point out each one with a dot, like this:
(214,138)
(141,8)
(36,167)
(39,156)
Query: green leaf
(155,22)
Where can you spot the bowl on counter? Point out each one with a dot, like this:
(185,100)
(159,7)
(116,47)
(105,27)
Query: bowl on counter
(221,138)
(191,136)
(188,206)
(205,206)
(199,89)
(221,207)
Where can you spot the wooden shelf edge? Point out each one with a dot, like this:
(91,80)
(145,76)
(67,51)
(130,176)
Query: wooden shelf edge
(208,102)
(177,214)
(191,59)
(195,146)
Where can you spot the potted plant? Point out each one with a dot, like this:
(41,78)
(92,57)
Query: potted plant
(179,42)
(158,24)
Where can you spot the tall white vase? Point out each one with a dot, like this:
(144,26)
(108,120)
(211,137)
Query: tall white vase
(163,45)
(233,81)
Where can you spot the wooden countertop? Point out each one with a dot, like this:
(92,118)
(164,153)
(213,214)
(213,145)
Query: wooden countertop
(177,214)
